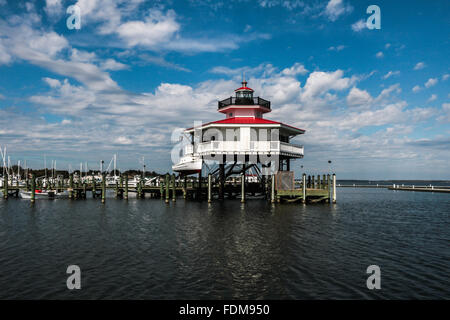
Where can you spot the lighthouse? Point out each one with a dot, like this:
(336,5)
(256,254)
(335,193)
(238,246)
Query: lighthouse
(244,140)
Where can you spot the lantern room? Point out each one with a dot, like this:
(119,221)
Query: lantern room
(244,105)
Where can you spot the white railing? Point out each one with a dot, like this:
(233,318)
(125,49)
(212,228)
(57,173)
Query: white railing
(291,148)
(248,146)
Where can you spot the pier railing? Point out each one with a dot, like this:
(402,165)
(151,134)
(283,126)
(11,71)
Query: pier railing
(257,101)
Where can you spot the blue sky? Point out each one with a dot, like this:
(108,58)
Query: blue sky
(375,102)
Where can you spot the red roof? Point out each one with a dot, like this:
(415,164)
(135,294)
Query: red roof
(244,88)
(248,120)
(245,120)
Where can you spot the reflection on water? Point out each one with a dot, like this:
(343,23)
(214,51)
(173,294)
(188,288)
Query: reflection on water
(145,249)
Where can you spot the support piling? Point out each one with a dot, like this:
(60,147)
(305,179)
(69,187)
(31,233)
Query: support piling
(242,187)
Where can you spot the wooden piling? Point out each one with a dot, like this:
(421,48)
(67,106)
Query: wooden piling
(117,189)
(334,188)
(167,188)
(103,187)
(5,186)
(161,188)
(209,188)
(273,188)
(199,187)
(329,187)
(242,187)
(304,188)
(221,181)
(139,190)
(71,186)
(126,187)
(94,188)
(174,188)
(33,188)
(185,187)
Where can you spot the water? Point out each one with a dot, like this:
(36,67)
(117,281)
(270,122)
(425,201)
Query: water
(145,249)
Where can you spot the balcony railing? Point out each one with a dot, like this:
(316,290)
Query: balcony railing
(291,148)
(230,147)
(257,101)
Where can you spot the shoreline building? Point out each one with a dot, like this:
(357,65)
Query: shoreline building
(243,141)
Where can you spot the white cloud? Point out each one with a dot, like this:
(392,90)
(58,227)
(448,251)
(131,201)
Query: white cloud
(359,25)
(296,69)
(359,98)
(387,45)
(53,7)
(53,83)
(337,48)
(123,140)
(416,89)
(320,82)
(445,76)
(386,93)
(419,65)
(160,61)
(432,97)
(113,65)
(82,56)
(445,117)
(266,69)
(5,57)
(337,8)
(390,74)
(379,55)
(431,82)
(48,50)
(156,28)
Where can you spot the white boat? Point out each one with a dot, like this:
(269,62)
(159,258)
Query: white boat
(188,164)
(43,194)
(133,183)
(152,181)
(112,180)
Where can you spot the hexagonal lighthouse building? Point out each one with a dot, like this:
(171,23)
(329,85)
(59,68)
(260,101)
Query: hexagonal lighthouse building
(243,141)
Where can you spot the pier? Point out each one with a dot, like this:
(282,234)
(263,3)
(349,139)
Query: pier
(395,187)
(277,188)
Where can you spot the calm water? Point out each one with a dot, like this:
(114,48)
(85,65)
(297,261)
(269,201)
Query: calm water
(145,249)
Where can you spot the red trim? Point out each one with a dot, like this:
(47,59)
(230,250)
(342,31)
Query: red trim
(248,120)
(244,88)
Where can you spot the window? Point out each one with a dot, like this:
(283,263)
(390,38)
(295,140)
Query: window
(230,115)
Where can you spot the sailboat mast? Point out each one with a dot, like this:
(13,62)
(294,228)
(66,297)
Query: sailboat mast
(45,166)
(115,159)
